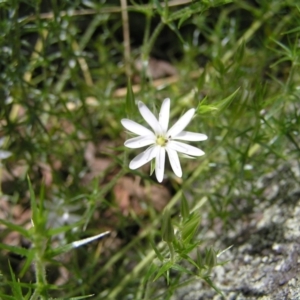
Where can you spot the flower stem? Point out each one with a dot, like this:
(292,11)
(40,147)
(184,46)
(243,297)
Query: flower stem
(40,272)
(149,45)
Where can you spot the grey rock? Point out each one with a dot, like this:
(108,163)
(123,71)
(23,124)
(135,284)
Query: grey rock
(264,262)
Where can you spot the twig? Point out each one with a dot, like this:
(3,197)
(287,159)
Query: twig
(104,10)
(126,38)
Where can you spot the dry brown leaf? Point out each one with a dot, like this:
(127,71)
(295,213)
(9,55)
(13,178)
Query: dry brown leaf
(156,69)
(130,194)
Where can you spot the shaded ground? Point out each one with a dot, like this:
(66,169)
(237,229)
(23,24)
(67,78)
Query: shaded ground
(264,262)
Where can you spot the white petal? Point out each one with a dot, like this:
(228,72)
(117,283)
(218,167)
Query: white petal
(143,158)
(140,141)
(164,115)
(174,161)
(160,164)
(4,154)
(149,117)
(185,148)
(181,123)
(190,136)
(135,127)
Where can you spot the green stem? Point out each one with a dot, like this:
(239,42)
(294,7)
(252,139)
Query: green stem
(148,45)
(40,271)
(147,289)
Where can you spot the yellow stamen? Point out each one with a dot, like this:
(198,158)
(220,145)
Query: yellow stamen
(161,141)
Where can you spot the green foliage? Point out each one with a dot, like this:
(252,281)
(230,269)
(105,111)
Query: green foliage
(179,247)
(167,230)
(63,94)
(218,106)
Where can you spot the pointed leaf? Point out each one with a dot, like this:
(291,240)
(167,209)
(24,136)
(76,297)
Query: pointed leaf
(16,288)
(164,269)
(190,228)
(160,257)
(151,270)
(15,249)
(167,230)
(184,208)
(152,166)
(14,227)
(182,269)
(240,52)
(27,264)
(76,244)
(217,107)
(223,104)
(186,15)
(80,297)
(33,205)
(211,284)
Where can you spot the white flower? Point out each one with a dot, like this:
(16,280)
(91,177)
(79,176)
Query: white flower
(162,139)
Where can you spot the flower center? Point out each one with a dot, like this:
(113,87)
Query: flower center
(161,141)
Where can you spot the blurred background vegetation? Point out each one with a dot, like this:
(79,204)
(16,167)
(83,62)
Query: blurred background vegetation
(64,68)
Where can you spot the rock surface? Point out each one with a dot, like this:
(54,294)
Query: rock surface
(264,261)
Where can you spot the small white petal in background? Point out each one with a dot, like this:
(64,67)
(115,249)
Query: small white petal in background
(3,153)
(162,140)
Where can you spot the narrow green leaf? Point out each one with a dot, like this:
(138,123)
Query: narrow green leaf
(219,66)
(167,230)
(199,260)
(174,28)
(76,244)
(27,264)
(296,29)
(182,269)
(41,200)
(151,270)
(188,247)
(28,295)
(62,229)
(14,227)
(190,227)
(210,283)
(160,257)
(75,298)
(223,104)
(210,258)
(33,205)
(130,102)
(186,15)
(152,166)
(184,208)
(6,297)
(158,6)
(239,55)
(164,269)
(217,107)
(223,251)
(191,261)
(15,249)
(16,288)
